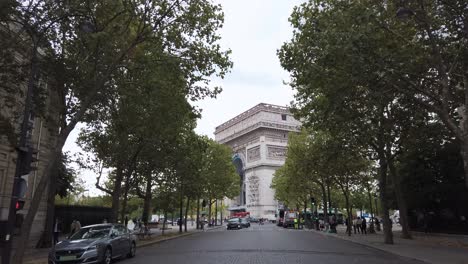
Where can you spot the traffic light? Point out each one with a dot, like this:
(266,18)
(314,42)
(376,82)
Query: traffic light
(22,190)
(28,161)
(19,205)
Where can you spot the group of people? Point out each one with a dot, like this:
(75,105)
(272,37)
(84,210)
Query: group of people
(360,225)
(74,227)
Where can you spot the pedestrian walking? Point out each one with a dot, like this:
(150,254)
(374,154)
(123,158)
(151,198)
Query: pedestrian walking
(72,228)
(359,225)
(296,224)
(377,224)
(203,223)
(364,226)
(77,226)
(57,230)
(354,224)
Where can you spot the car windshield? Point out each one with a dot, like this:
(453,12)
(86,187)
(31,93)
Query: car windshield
(91,233)
(234,220)
(244,220)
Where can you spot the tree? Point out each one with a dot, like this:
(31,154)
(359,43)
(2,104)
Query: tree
(63,184)
(219,176)
(339,88)
(92,41)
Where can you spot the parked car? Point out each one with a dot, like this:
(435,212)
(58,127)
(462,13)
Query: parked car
(234,223)
(95,244)
(168,221)
(245,222)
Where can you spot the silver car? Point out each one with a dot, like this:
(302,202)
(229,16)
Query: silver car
(95,244)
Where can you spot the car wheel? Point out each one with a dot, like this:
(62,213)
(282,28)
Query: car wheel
(132,252)
(107,256)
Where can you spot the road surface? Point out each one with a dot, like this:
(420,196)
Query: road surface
(260,244)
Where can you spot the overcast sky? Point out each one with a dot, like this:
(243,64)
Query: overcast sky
(253,30)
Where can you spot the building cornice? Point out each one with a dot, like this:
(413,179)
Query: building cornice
(261,124)
(262,107)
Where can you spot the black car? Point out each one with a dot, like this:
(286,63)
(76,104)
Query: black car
(245,222)
(95,244)
(254,220)
(234,223)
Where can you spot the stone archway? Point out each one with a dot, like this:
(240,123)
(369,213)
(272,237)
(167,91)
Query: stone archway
(239,163)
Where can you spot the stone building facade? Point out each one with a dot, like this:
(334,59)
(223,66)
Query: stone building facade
(45,127)
(258,138)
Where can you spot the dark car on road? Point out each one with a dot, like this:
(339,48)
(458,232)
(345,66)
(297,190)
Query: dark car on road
(245,222)
(254,220)
(234,223)
(95,244)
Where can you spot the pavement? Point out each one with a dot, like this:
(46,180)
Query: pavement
(271,244)
(430,248)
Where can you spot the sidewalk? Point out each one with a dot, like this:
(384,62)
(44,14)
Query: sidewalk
(430,248)
(39,256)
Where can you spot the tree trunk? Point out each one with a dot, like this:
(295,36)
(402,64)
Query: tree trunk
(164,222)
(329,198)
(46,238)
(350,219)
(216,212)
(181,212)
(387,225)
(116,194)
(124,206)
(222,209)
(186,214)
(464,155)
(198,213)
(325,207)
(125,199)
(402,206)
(172,217)
(35,201)
(209,212)
(147,201)
(371,226)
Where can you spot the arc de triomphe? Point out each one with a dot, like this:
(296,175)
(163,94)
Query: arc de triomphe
(258,138)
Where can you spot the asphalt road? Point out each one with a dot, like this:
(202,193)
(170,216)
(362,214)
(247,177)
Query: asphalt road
(260,244)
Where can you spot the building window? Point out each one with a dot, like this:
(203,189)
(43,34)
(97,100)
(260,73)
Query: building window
(283,117)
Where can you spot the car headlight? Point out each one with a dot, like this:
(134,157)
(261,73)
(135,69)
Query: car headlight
(91,248)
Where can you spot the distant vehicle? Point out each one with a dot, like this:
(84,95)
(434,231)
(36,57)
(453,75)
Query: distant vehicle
(245,222)
(289,217)
(234,223)
(254,220)
(168,221)
(280,217)
(95,244)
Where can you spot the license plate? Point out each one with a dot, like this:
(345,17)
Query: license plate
(67,257)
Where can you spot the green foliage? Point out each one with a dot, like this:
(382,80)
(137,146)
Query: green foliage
(66,177)
(219,175)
